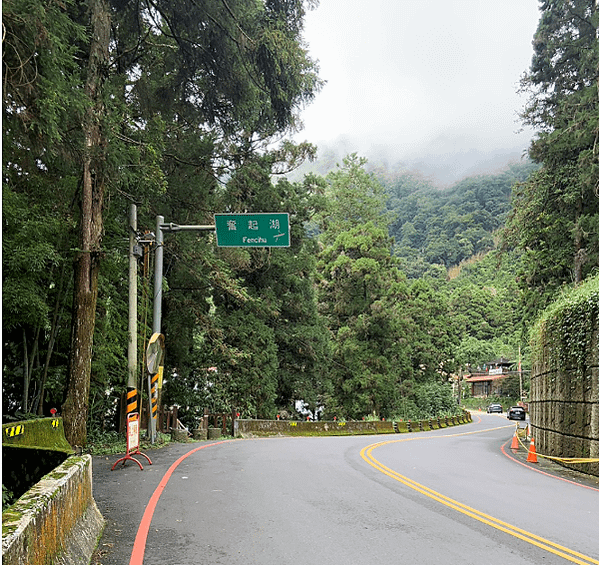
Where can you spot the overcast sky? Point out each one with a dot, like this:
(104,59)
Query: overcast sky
(414,78)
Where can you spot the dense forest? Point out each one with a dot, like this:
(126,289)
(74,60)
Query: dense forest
(390,286)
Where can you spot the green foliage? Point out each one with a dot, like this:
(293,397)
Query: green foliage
(434,399)
(40,50)
(564,64)
(191,96)
(250,369)
(555,214)
(426,400)
(566,328)
(251,313)
(34,237)
(554,221)
(358,315)
(383,331)
(433,332)
(359,287)
(114,443)
(35,286)
(486,307)
(354,197)
(8,498)
(445,227)
(106,443)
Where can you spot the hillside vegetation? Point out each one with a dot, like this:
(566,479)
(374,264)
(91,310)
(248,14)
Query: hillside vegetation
(445,227)
(389,287)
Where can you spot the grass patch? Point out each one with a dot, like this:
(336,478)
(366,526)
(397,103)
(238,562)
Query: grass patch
(112,443)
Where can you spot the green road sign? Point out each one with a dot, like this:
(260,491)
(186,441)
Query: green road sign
(252,230)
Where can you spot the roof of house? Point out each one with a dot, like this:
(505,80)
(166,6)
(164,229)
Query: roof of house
(479,378)
(501,361)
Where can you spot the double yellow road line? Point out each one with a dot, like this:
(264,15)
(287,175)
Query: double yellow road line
(542,543)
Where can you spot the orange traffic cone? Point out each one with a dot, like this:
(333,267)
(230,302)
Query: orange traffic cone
(532,452)
(514,445)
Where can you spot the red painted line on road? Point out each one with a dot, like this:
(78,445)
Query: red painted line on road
(139,545)
(543,472)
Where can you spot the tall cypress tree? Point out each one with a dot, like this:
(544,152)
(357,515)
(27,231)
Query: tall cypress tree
(360,291)
(555,216)
(156,91)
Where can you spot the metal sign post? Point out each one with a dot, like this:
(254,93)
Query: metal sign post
(232,230)
(132,346)
(154,362)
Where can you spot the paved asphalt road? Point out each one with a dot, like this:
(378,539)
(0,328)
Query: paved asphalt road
(451,496)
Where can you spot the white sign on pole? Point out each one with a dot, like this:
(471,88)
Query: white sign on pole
(132,432)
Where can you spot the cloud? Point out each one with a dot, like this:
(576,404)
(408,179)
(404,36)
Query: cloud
(410,77)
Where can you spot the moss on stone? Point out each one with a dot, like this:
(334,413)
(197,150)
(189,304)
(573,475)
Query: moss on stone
(42,433)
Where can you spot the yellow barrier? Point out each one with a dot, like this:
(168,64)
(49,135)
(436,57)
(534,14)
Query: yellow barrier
(571,460)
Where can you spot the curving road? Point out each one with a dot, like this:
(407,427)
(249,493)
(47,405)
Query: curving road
(449,496)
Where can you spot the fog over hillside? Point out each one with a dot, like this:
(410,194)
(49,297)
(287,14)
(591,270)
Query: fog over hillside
(429,86)
(445,160)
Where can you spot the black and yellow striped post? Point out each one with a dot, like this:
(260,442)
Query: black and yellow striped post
(154,396)
(131,399)
(159,394)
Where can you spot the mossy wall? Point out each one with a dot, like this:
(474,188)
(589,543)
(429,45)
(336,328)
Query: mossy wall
(22,468)
(247,428)
(564,403)
(56,522)
(41,433)
(30,450)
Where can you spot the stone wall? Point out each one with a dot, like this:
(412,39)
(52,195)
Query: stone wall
(56,521)
(264,428)
(564,403)
(31,449)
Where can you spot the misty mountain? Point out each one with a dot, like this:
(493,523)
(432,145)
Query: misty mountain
(445,159)
(437,229)
(436,226)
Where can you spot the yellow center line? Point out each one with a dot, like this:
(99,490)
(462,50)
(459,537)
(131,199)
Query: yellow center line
(542,543)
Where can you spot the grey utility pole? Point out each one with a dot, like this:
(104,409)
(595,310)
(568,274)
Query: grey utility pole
(132,345)
(161,227)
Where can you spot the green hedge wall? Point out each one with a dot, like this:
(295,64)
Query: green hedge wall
(564,400)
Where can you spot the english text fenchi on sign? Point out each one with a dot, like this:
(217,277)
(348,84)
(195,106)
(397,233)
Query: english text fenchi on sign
(252,230)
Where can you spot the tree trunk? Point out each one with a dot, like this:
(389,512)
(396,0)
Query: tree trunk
(53,333)
(26,378)
(86,266)
(580,255)
(30,372)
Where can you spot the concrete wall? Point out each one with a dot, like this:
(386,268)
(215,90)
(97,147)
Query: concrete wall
(56,522)
(264,428)
(564,403)
(30,450)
